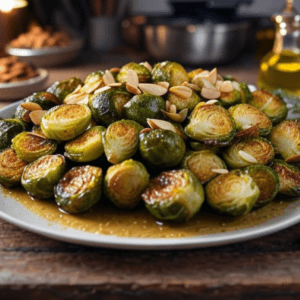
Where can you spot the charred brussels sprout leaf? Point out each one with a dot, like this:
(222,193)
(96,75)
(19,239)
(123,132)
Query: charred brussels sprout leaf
(121,140)
(142,107)
(246,115)
(108,106)
(211,124)
(182,103)
(40,176)
(267,180)
(232,194)
(285,137)
(203,164)
(79,189)
(9,128)
(125,182)
(162,148)
(141,71)
(65,122)
(86,147)
(260,150)
(30,147)
(174,195)
(11,168)
(169,71)
(289,177)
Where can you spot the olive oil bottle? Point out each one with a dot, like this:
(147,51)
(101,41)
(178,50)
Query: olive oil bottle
(280,68)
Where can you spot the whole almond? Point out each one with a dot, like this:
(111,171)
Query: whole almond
(31,106)
(132,78)
(181,91)
(226,86)
(108,78)
(36,116)
(209,93)
(132,89)
(164,84)
(152,89)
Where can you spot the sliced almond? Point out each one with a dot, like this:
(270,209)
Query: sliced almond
(108,78)
(36,116)
(79,86)
(90,87)
(212,76)
(172,109)
(202,82)
(183,113)
(209,93)
(75,98)
(31,106)
(164,84)
(226,86)
(213,101)
(181,91)
(132,78)
(114,70)
(220,171)
(168,105)
(236,86)
(25,117)
(145,130)
(40,135)
(152,89)
(220,78)
(247,157)
(173,116)
(102,89)
(116,84)
(147,65)
(218,84)
(192,86)
(160,124)
(132,89)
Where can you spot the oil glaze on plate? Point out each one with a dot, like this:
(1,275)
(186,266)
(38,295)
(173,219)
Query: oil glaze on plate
(12,211)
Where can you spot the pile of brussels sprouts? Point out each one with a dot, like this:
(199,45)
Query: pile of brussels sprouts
(160,136)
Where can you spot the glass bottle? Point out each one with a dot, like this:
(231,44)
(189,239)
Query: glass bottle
(280,68)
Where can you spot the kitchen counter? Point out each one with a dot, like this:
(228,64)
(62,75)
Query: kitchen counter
(36,267)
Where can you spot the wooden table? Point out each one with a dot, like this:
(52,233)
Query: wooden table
(35,267)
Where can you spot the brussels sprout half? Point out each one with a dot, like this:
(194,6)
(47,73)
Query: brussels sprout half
(86,147)
(175,195)
(94,77)
(270,104)
(285,137)
(211,124)
(11,168)
(260,150)
(232,194)
(246,115)
(142,72)
(65,122)
(121,140)
(289,177)
(246,95)
(228,99)
(29,146)
(79,189)
(9,128)
(182,103)
(203,164)
(169,71)
(162,148)
(125,182)
(40,176)
(267,180)
(199,146)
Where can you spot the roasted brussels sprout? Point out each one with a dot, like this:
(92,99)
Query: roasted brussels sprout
(246,115)
(232,194)
(228,99)
(270,104)
(204,164)
(40,176)
(162,148)
(9,128)
(229,77)
(125,182)
(175,195)
(61,89)
(11,168)
(65,122)
(211,124)
(169,71)
(289,177)
(199,146)
(246,95)
(29,146)
(253,150)
(267,181)
(86,147)
(94,77)
(108,106)
(182,103)
(121,140)
(142,72)
(285,137)
(79,189)
(142,107)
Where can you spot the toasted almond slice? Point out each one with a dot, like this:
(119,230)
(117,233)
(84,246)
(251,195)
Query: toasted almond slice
(172,109)
(132,89)
(116,84)
(102,89)
(36,116)
(220,171)
(38,135)
(236,86)
(181,91)
(183,114)
(147,65)
(152,89)
(192,86)
(114,70)
(75,98)
(218,84)
(25,117)
(220,78)
(84,100)
(132,78)
(226,86)
(108,78)
(160,124)
(208,93)
(213,101)
(173,116)
(91,87)
(164,84)
(247,157)
(145,130)
(31,106)
(168,105)
(212,76)
(79,86)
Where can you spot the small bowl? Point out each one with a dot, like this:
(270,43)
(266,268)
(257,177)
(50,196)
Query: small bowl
(24,88)
(48,56)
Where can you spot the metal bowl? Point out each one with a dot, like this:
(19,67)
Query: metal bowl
(208,43)
(48,57)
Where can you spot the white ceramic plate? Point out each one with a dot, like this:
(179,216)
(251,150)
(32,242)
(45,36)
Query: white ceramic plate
(22,89)
(14,212)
